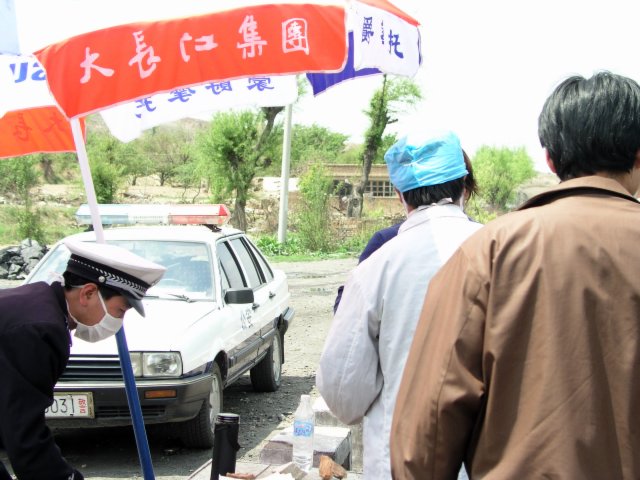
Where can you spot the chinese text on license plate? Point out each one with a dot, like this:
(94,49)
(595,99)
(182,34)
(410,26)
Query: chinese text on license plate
(71,405)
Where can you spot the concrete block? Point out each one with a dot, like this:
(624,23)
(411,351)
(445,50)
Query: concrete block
(325,417)
(335,442)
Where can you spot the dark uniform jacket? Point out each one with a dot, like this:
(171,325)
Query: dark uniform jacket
(34,350)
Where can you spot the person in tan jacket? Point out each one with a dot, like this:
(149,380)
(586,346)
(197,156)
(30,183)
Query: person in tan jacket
(526,359)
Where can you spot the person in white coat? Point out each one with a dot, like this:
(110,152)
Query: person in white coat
(365,351)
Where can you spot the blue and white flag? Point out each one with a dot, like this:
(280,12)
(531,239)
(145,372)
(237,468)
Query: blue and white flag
(321,81)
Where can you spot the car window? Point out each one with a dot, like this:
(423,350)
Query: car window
(188,265)
(56,263)
(229,267)
(248,262)
(266,269)
(225,280)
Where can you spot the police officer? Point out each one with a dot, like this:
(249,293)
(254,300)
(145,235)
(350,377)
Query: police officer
(101,282)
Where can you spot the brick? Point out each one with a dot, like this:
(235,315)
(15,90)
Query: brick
(335,442)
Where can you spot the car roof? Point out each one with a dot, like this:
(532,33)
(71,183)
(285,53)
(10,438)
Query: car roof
(195,233)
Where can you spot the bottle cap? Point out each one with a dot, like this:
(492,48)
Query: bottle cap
(228,418)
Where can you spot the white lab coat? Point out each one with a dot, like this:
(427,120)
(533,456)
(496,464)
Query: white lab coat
(366,348)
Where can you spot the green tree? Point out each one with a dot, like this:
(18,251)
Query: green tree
(104,152)
(233,150)
(391,99)
(129,157)
(133,161)
(18,176)
(107,179)
(314,216)
(169,150)
(499,172)
(387,141)
(314,143)
(352,154)
(57,167)
(189,175)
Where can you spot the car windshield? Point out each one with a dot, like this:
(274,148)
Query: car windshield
(189,275)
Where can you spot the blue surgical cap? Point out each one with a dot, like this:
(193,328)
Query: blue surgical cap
(415,162)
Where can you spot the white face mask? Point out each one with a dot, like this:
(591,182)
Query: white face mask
(105,328)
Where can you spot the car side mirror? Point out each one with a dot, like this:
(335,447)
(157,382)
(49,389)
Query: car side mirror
(238,295)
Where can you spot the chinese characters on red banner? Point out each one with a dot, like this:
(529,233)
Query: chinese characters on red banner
(134,61)
(41,129)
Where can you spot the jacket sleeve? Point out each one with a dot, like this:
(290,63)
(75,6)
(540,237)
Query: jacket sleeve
(374,243)
(432,424)
(349,377)
(31,359)
(336,303)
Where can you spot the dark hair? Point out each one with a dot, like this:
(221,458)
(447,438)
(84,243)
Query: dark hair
(470,185)
(72,280)
(592,125)
(434,193)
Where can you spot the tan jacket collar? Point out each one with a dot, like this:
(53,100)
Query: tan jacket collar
(577,186)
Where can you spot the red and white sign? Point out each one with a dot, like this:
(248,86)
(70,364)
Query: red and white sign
(99,54)
(38,129)
(30,121)
(106,67)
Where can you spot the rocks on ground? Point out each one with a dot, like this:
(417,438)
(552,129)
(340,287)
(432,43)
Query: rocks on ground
(16,262)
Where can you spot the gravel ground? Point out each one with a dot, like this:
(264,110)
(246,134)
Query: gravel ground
(110,453)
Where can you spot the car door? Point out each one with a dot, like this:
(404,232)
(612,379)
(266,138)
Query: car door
(242,343)
(264,311)
(277,293)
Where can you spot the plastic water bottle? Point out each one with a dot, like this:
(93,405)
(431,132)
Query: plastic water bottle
(303,426)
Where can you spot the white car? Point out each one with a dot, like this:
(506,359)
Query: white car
(219,311)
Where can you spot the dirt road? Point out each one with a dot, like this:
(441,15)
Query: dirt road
(107,454)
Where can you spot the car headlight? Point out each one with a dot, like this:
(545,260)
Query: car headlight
(156,364)
(161,364)
(136,363)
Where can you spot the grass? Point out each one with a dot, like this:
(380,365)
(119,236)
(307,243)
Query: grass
(57,222)
(302,257)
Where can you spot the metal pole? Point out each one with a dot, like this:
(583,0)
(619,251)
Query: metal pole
(85,170)
(284,177)
(144,453)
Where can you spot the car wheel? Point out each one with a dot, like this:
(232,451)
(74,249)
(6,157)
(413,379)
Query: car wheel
(198,432)
(266,375)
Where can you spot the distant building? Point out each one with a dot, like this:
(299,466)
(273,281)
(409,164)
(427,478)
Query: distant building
(273,184)
(345,176)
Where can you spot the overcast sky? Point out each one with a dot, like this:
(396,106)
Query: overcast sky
(488,67)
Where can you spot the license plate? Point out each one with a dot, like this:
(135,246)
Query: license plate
(71,405)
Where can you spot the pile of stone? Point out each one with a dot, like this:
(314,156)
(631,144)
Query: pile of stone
(16,262)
